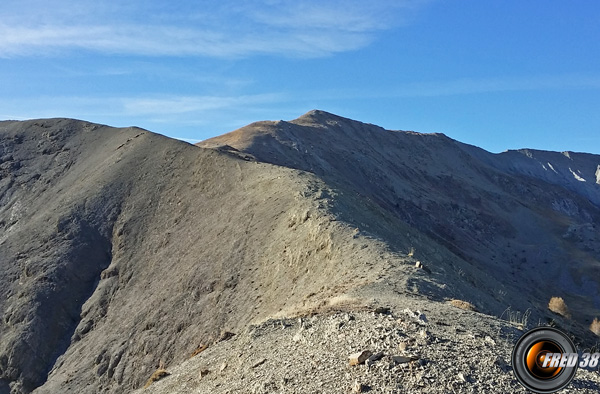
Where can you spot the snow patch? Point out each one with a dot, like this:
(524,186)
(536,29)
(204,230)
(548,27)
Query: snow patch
(552,168)
(598,175)
(580,179)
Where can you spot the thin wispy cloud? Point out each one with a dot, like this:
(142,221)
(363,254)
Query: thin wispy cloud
(197,69)
(131,107)
(196,109)
(193,104)
(230,29)
(340,15)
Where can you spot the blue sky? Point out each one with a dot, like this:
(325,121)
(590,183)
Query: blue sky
(497,74)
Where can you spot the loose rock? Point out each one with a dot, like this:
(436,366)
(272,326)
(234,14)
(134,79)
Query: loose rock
(375,357)
(359,387)
(203,372)
(360,357)
(259,363)
(420,265)
(225,335)
(382,310)
(404,359)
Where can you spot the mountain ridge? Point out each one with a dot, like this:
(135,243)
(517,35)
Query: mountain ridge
(319,119)
(122,248)
(460,195)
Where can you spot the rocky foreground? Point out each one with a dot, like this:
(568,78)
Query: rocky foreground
(436,348)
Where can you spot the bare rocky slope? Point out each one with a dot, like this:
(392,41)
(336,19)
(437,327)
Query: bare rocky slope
(511,226)
(121,249)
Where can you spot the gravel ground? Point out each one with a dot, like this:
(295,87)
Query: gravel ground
(425,347)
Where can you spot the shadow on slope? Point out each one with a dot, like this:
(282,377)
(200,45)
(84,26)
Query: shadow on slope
(496,237)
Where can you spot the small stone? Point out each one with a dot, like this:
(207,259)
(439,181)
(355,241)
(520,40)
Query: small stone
(420,265)
(284,324)
(223,366)
(382,310)
(402,346)
(297,337)
(375,357)
(225,335)
(360,357)
(359,387)
(259,363)
(204,372)
(461,377)
(404,359)
(500,363)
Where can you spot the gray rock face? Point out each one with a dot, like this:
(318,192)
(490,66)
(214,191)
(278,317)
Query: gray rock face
(122,250)
(55,238)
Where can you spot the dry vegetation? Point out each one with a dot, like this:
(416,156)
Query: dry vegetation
(199,350)
(595,327)
(463,305)
(558,306)
(157,375)
(516,317)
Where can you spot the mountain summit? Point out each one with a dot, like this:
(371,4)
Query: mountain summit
(517,218)
(122,250)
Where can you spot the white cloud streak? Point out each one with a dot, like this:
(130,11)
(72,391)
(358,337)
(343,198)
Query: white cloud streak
(164,109)
(192,104)
(197,109)
(306,28)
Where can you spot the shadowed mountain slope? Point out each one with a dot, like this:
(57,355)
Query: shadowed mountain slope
(526,219)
